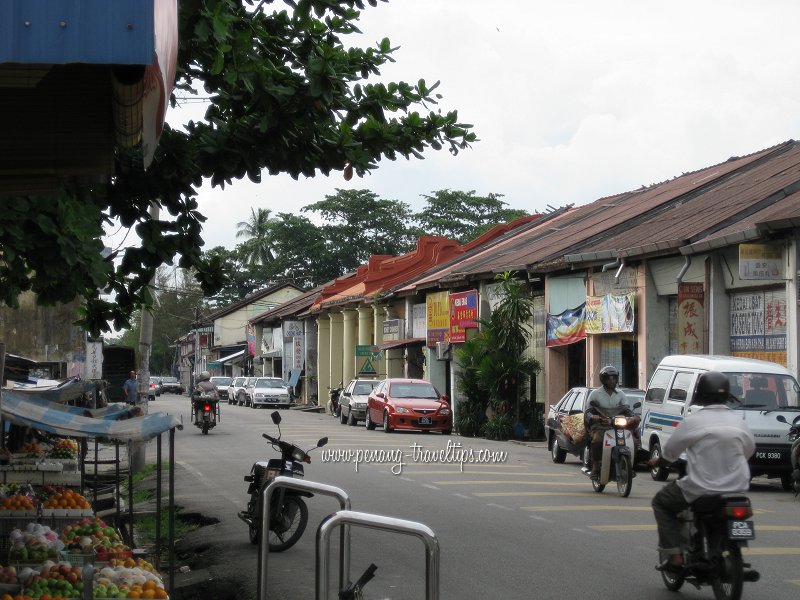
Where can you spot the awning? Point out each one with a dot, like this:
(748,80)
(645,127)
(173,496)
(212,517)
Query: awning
(294,376)
(276,353)
(29,410)
(231,358)
(401,343)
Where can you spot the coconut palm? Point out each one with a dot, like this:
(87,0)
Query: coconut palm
(256,231)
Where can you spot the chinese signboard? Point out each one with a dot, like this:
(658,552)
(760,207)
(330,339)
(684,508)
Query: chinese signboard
(418,322)
(94,360)
(758,325)
(297,351)
(691,318)
(292,329)
(438,318)
(609,314)
(760,261)
(463,314)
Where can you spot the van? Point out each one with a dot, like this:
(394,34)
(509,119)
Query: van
(762,391)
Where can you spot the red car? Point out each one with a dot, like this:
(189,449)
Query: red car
(408,404)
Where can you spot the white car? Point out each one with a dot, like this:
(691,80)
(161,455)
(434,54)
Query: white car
(269,391)
(353,400)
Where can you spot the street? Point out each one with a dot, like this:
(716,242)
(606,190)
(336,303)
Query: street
(514,528)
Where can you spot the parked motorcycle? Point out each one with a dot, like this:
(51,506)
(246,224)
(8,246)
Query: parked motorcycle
(205,411)
(333,402)
(794,437)
(715,529)
(289,513)
(618,452)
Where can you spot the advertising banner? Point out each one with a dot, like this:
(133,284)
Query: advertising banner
(392,330)
(758,325)
(438,318)
(691,318)
(566,328)
(463,314)
(250,333)
(94,360)
(612,313)
(761,261)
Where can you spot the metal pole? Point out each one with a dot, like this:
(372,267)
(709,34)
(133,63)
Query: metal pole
(130,492)
(117,498)
(158,503)
(2,383)
(307,486)
(382,523)
(171,519)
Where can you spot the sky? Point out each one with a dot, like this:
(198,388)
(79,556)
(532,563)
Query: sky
(571,101)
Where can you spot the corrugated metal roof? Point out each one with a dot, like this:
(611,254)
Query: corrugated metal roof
(255,296)
(291,307)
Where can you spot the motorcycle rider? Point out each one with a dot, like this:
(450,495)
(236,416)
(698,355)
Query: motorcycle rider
(611,401)
(717,443)
(203,386)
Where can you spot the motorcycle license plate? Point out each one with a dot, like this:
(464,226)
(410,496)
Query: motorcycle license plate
(741,530)
(424,420)
(271,474)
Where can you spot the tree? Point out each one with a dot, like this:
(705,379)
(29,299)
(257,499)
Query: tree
(287,94)
(358,224)
(463,216)
(256,249)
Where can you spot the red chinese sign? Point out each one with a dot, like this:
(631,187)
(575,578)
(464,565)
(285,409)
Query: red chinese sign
(463,314)
(691,318)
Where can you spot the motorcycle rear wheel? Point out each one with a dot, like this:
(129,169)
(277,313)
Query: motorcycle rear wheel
(286,529)
(672,581)
(205,428)
(728,583)
(624,476)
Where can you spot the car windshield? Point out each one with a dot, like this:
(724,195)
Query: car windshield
(269,383)
(221,380)
(364,388)
(170,380)
(764,391)
(154,380)
(414,390)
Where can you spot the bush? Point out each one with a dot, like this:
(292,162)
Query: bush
(469,418)
(499,427)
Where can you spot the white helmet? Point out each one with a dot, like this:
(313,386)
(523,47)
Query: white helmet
(204,376)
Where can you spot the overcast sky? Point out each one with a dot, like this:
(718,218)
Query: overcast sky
(571,100)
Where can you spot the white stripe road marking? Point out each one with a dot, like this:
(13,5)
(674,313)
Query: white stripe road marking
(541,518)
(406,479)
(499,506)
(463,496)
(429,486)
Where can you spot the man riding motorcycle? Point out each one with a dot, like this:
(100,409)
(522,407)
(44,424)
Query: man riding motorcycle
(203,387)
(610,401)
(718,444)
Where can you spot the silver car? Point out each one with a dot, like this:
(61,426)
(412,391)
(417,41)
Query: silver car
(269,391)
(353,400)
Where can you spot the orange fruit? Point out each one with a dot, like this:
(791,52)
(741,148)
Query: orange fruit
(161,594)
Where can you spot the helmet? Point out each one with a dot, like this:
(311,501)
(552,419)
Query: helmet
(608,371)
(713,387)
(204,376)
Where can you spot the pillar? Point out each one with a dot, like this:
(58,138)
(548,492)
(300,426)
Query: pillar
(336,342)
(349,337)
(323,358)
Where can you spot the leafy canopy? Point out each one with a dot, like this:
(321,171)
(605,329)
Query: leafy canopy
(287,95)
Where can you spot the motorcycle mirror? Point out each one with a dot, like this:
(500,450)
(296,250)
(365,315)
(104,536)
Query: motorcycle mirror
(781,418)
(322,442)
(276,417)
(637,405)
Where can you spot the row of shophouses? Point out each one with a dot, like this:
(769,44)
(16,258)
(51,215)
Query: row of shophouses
(706,262)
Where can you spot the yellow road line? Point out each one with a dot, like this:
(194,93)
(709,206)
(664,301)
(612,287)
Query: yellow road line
(586,507)
(469,471)
(653,527)
(508,482)
(771,551)
(794,581)
(502,494)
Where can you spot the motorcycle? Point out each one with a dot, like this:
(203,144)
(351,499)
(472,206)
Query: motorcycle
(618,452)
(794,437)
(714,530)
(289,513)
(333,403)
(205,411)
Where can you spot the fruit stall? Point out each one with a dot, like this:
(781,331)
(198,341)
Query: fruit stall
(53,545)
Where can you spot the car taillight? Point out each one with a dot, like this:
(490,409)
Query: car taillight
(739,512)
(207,408)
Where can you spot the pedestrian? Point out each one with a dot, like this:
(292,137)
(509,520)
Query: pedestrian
(130,388)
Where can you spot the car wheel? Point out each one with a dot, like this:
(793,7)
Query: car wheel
(342,418)
(386,427)
(558,454)
(368,422)
(657,473)
(240,399)
(351,419)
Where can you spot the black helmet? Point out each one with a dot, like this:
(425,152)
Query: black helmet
(713,387)
(608,371)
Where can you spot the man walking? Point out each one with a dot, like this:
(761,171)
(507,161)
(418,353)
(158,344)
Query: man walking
(130,388)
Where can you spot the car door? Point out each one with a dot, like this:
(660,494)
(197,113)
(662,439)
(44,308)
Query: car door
(375,403)
(346,397)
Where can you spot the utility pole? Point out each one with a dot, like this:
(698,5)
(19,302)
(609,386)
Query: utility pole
(145,347)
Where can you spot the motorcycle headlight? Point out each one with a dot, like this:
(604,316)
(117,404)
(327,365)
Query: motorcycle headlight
(620,421)
(402,409)
(298,455)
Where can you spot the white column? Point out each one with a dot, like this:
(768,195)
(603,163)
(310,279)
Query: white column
(323,358)
(349,336)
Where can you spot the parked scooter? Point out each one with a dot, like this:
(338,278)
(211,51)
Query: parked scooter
(794,437)
(715,528)
(289,513)
(618,452)
(333,401)
(205,411)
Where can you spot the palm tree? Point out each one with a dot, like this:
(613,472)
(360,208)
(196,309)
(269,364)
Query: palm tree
(256,232)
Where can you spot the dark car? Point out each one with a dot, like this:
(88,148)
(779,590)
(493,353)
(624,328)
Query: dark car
(575,401)
(408,404)
(222,384)
(171,385)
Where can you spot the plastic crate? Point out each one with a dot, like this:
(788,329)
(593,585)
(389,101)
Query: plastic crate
(77,559)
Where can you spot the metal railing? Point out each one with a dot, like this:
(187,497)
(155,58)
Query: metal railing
(304,486)
(345,518)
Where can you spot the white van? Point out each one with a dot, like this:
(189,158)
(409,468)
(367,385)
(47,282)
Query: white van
(763,390)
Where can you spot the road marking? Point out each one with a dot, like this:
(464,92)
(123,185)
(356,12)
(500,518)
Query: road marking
(501,494)
(429,486)
(653,527)
(771,551)
(540,518)
(406,478)
(468,471)
(507,482)
(586,507)
(463,496)
(499,506)
(794,581)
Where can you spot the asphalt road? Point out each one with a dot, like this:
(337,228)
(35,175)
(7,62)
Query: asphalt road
(517,528)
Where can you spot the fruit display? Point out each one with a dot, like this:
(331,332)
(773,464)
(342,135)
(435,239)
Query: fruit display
(8,575)
(35,544)
(128,582)
(93,535)
(17,502)
(61,497)
(64,448)
(32,449)
(52,581)
(133,562)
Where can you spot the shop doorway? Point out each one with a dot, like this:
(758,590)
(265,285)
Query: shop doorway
(576,364)
(629,369)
